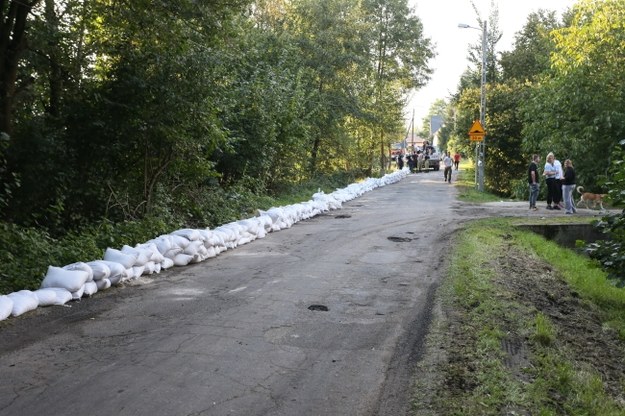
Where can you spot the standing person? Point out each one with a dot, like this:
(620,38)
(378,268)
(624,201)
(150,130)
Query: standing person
(411,162)
(559,180)
(456,160)
(532,179)
(568,184)
(448,163)
(550,173)
(400,161)
(419,160)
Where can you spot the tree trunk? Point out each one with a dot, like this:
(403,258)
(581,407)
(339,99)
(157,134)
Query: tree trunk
(12,44)
(55,79)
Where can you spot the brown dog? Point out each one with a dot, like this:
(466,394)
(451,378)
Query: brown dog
(587,197)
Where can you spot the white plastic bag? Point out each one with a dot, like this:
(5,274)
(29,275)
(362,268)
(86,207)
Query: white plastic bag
(81,266)
(6,306)
(125,259)
(90,288)
(46,297)
(103,284)
(62,295)
(71,280)
(23,301)
(182,259)
(100,269)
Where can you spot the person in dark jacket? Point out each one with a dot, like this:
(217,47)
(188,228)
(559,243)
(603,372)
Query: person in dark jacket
(534,181)
(568,185)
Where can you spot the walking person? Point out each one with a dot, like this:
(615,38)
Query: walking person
(550,171)
(568,185)
(448,163)
(532,179)
(456,160)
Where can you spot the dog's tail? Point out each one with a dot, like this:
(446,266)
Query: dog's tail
(580,189)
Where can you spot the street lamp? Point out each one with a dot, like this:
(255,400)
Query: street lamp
(481,147)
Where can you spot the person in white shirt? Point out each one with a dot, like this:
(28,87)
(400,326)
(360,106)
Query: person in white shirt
(448,163)
(559,179)
(550,173)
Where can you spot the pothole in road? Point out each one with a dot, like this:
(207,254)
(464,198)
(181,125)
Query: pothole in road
(343,216)
(400,239)
(322,308)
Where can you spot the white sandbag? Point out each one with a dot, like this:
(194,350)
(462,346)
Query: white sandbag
(193,247)
(129,274)
(157,267)
(62,295)
(103,284)
(100,269)
(217,239)
(205,235)
(115,280)
(188,233)
(182,259)
(23,301)
(201,254)
(149,267)
(171,253)
(6,306)
(142,256)
(211,252)
(81,266)
(243,240)
(167,263)
(125,259)
(91,288)
(179,241)
(77,295)
(117,270)
(137,271)
(154,254)
(162,243)
(46,297)
(71,280)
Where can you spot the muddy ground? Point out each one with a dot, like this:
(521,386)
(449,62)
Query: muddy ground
(446,372)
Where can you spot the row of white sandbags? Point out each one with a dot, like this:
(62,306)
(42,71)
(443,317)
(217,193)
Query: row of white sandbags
(180,248)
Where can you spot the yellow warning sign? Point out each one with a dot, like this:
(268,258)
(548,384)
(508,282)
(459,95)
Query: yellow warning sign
(476,132)
(476,128)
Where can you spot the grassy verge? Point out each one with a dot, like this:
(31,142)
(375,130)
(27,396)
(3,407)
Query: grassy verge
(525,327)
(467,189)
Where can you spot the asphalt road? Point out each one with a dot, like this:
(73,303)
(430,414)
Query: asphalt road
(248,333)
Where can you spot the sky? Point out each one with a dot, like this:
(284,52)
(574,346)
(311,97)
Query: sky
(440,22)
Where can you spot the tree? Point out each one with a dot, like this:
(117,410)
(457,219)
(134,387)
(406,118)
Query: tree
(13,28)
(577,111)
(533,45)
(400,54)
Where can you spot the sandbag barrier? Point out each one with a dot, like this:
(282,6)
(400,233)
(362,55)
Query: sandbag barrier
(74,281)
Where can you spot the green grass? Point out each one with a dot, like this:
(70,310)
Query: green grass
(544,332)
(467,189)
(555,384)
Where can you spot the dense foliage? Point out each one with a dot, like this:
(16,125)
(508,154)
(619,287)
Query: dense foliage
(560,89)
(123,109)
(188,112)
(611,252)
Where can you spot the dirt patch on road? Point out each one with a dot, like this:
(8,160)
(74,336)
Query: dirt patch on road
(448,376)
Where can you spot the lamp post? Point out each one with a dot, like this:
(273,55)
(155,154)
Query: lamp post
(481,147)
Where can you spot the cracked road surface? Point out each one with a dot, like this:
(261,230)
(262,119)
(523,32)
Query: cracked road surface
(248,333)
